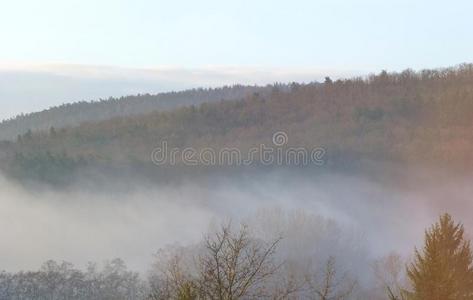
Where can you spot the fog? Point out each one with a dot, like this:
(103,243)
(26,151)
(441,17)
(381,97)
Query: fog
(369,218)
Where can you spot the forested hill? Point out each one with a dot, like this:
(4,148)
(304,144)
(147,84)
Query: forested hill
(407,118)
(76,113)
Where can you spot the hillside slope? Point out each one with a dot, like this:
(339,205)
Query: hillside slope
(76,113)
(405,118)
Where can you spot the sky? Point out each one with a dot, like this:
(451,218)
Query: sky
(55,51)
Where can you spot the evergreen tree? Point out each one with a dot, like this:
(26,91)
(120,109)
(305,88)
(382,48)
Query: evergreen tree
(443,270)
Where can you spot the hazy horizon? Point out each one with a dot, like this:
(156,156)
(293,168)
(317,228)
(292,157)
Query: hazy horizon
(83,50)
(27,88)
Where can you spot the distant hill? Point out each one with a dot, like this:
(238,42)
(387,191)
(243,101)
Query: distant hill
(76,113)
(418,118)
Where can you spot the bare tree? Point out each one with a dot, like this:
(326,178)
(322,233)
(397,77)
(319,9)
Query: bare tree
(391,276)
(287,283)
(331,286)
(229,265)
(174,280)
(61,281)
(236,266)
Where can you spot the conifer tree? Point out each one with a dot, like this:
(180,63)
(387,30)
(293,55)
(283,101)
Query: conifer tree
(443,270)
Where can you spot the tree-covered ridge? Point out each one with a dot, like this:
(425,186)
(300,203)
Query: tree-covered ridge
(74,114)
(409,117)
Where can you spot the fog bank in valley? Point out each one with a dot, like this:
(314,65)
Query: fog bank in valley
(338,215)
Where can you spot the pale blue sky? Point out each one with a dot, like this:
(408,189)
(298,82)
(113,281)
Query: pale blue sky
(330,34)
(56,51)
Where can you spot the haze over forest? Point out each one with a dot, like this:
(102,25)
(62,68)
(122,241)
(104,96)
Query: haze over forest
(80,182)
(219,150)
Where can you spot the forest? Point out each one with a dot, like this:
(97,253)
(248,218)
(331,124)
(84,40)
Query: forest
(73,114)
(236,150)
(233,263)
(409,118)
(81,182)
